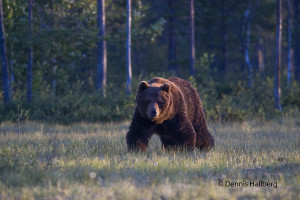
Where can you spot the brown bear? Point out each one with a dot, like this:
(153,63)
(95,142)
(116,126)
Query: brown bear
(172,109)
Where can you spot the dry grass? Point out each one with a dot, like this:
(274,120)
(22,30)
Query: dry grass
(90,161)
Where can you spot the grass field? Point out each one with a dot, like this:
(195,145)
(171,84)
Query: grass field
(90,161)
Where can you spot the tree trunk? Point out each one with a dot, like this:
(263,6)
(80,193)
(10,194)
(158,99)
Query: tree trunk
(247,24)
(260,55)
(6,87)
(172,54)
(296,40)
(278,55)
(289,67)
(53,81)
(102,60)
(192,39)
(223,32)
(12,75)
(128,48)
(30,54)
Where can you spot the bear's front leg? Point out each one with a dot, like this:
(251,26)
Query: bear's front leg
(186,134)
(139,134)
(136,142)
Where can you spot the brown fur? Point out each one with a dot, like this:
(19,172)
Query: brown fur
(172,109)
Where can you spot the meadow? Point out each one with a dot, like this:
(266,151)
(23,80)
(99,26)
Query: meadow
(90,161)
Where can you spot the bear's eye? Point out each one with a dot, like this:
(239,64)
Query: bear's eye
(160,103)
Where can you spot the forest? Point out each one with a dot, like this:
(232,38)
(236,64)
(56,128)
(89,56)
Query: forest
(69,79)
(81,60)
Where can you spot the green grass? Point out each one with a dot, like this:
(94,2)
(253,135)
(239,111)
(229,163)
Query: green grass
(90,161)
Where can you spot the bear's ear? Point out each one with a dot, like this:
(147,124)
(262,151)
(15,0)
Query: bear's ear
(143,85)
(165,87)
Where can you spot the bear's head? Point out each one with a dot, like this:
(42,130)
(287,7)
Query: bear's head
(153,102)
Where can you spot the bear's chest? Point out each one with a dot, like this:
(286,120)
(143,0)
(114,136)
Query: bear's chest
(165,130)
(167,135)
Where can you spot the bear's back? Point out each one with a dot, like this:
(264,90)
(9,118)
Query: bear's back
(190,95)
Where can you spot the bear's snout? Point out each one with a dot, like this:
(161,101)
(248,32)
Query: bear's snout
(153,111)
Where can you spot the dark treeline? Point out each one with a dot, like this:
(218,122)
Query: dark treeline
(60,50)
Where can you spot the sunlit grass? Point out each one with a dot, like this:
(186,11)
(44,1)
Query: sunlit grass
(90,161)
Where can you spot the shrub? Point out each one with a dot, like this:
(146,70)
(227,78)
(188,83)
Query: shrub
(222,101)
